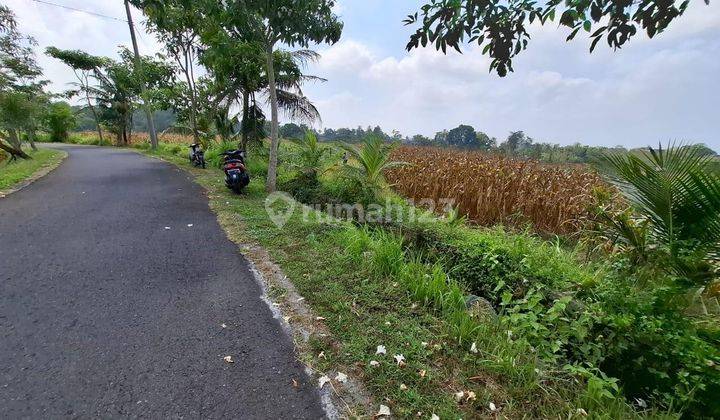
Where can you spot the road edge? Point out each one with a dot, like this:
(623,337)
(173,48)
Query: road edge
(40,173)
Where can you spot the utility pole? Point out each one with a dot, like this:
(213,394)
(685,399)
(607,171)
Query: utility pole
(138,66)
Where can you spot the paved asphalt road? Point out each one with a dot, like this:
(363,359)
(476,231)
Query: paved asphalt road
(106,313)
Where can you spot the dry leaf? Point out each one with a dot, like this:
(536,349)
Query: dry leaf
(424,343)
(422,373)
(286,319)
(223,325)
(469,396)
(321,355)
(319,318)
(383,411)
(434,417)
(167,227)
(228,359)
(323,380)
(190,225)
(387,323)
(459,396)
(492,407)
(400,359)
(381,350)
(295,383)
(341,377)
(403,387)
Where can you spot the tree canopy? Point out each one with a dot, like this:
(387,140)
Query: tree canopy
(501,27)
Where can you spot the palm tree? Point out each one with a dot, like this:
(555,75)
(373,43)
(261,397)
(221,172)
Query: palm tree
(310,154)
(676,191)
(373,158)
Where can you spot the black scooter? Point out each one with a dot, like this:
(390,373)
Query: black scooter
(197,156)
(236,175)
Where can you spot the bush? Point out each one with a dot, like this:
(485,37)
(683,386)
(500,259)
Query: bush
(572,316)
(60,119)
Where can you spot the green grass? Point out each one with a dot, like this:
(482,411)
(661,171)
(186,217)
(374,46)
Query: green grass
(12,173)
(372,292)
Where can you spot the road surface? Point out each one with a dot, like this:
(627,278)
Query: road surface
(105,312)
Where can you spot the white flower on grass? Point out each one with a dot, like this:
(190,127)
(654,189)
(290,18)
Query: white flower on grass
(473,348)
(492,407)
(403,387)
(434,417)
(399,359)
(383,411)
(381,350)
(374,363)
(323,380)
(459,396)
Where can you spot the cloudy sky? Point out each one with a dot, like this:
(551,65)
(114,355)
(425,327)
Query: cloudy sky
(654,90)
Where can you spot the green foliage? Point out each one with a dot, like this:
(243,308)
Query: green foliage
(502,29)
(60,119)
(677,193)
(372,158)
(309,154)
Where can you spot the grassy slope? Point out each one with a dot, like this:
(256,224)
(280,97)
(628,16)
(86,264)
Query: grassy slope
(11,173)
(363,310)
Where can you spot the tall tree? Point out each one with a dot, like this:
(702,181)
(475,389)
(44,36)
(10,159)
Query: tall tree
(463,136)
(86,68)
(290,22)
(177,24)
(21,89)
(500,27)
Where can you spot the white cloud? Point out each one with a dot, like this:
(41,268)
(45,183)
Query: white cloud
(649,91)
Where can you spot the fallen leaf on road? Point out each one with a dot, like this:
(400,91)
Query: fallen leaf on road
(323,380)
(381,350)
(223,325)
(383,411)
(319,318)
(167,227)
(295,383)
(341,377)
(190,225)
(228,359)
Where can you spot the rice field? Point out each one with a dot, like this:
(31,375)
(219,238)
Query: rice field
(491,189)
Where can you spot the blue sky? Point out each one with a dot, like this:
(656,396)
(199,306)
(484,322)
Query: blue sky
(652,90)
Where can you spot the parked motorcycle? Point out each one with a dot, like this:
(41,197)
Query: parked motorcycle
(197,156)
(236,175)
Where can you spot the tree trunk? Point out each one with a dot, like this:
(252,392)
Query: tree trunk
(13,151)
(246,114)
(95,116)
(193,100)
(274,125)
(31,139)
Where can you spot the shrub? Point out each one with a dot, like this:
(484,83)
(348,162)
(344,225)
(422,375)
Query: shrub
(60,119)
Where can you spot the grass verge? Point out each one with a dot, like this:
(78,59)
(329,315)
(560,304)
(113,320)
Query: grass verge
(14,173)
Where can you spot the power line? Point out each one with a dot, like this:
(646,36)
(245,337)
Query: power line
(80,10)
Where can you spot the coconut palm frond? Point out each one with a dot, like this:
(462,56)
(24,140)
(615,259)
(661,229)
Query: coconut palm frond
(297,106)
(676,191)
(305,56)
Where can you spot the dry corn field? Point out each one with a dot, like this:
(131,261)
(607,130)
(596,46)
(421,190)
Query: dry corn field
(139,137)
(490,189)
